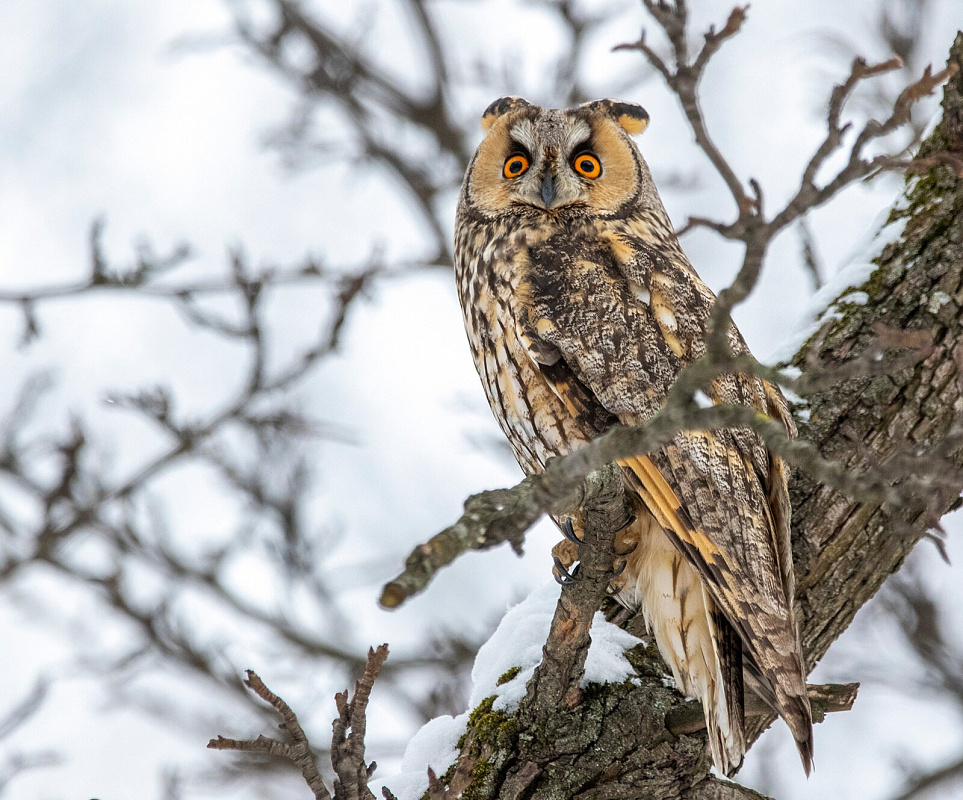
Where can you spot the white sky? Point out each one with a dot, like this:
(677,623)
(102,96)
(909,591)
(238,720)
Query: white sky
(99,115)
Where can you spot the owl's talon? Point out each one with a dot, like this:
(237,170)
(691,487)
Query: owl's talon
(563,576)
(620,570)
(564,580)
(568,531)
(630,523)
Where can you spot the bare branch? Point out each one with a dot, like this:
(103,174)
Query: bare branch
(505,514)
(925,785)
(810,256)
(347,749)
(751,227)
(826,698)
(556,679)
(14,762)
(684,76)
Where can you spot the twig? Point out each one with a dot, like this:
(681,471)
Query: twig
(751,227)
(506,514)
(556,680)
(924,785)
(297,751)
(684,76)
(824,699)
(347,749)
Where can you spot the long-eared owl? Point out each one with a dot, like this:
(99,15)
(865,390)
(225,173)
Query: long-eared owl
(581,310)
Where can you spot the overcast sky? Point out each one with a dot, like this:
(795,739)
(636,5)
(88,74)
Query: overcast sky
(143,114)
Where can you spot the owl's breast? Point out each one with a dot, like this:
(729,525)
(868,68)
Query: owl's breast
(535,421)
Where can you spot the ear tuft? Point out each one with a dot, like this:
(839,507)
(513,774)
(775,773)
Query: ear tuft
(501,106)
(633,118)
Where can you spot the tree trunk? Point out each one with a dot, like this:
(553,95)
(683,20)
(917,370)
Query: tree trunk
(613,742)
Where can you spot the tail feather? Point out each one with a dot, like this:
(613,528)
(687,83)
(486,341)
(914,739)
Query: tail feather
(792,707)
(708,657)
(698,644)
(725,708)
(795,710)
(726,743)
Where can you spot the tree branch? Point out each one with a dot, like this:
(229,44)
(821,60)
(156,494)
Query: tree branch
(556,680)
(347,748)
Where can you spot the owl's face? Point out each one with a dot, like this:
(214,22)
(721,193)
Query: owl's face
(555,163)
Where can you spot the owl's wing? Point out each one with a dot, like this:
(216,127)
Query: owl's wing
(617,332)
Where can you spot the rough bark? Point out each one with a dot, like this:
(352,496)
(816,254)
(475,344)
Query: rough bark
(614,742)
(844,550)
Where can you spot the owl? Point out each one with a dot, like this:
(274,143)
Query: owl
(581,309)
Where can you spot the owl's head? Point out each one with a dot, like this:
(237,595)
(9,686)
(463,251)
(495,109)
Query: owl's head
(556,162)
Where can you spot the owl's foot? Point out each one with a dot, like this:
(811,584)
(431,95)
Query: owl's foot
(626,542)
(628,524)
(566,554)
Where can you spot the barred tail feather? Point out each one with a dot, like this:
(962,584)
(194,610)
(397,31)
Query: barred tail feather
(726,741)
(792,706)
(730,692)
(795,710)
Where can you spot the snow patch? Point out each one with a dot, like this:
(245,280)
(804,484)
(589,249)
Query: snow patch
(435,745)
(516,643)
(823,305)
(856,298)
(794,399)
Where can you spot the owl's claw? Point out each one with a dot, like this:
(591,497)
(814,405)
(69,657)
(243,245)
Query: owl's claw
(619,570)
(562,576)
(632,519)
(568,531)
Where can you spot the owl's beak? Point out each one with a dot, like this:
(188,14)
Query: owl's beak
(548,189)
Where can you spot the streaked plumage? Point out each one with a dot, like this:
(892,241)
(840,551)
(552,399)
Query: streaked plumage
(581,309)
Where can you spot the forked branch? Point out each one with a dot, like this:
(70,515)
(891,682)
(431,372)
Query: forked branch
(751,227)
(347,743)
(502,515)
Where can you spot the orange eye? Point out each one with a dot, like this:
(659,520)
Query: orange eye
(588,165)
(515,166)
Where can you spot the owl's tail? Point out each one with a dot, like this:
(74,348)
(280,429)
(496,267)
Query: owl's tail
(793,706)
(727,742)
(698,644)
(725,706)
(798,716)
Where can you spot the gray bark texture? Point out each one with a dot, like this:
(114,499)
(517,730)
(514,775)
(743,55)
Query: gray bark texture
(613,741)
